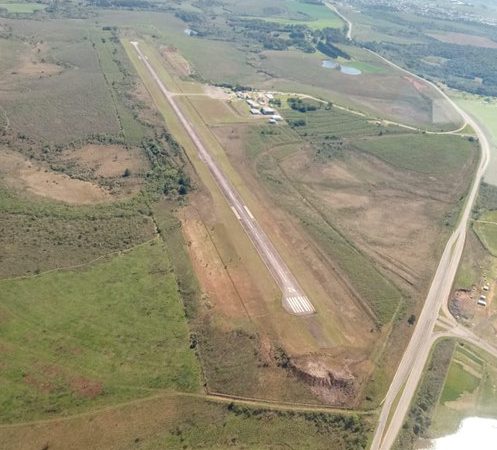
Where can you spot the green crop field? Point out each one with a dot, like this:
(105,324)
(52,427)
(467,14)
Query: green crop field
(429,154)
(22,8)
(458,382)
(333,122)
(102,334)
(293,12)
(469,390)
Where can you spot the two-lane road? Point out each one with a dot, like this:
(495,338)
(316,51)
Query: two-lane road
(294,299)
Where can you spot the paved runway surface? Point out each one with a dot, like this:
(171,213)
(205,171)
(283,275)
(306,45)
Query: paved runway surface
(294,299)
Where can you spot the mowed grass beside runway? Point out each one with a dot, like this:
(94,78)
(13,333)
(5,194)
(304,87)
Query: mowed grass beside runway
(437,155)
(108,332)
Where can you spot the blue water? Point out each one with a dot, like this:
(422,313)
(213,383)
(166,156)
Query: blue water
(350,70)
(473,433)
(329,64)
(347,70)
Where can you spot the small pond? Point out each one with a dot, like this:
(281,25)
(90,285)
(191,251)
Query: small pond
(473,433)
(347,70)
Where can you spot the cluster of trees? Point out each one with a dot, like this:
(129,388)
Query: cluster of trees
(276,36)
(419,418)
(272,35)
(189,16)
(166,176)
(472,69)
(331,50)
(126,4)
(299,104)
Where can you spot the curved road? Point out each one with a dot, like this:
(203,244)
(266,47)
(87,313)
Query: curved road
(411,366)
(294,299)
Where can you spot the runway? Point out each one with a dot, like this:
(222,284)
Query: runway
(294,299)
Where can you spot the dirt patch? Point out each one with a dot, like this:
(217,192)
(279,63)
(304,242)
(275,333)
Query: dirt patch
(217,286)
(32,63)
(180,64)
(462,304)
(464,39)
(84,387)
(108,161)
(25,175)
(341,200)
(215,92)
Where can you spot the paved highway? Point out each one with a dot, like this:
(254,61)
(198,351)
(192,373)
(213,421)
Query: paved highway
(294,299)
(411,366)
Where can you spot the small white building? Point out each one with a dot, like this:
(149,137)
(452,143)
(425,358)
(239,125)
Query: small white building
(276,117)
(255,111)
(253,104)
(268,111)
(272,121)
(482,302)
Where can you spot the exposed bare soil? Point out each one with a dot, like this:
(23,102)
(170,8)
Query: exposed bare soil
(393,216)
(464,39)
(34,178)
(219,291)
(32,63)
(107,161)
(180,64)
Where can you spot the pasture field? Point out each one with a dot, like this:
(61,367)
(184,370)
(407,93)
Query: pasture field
(370,284)
(297,12)
(55,108)
(425,153)
(469,390)
(484,110)
(182,421)
(22,8)
(486,229)
(380,91)
(106,343)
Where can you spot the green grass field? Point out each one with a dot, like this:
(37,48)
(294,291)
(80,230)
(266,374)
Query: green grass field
(457,383)
(381,295)
(22,8)
(428,154)
(486,230)
(108,332)
(179,421)
(297,12)
(469,390)
(484,110)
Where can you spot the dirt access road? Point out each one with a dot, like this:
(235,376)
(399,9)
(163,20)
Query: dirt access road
(294,299)
(411,366)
